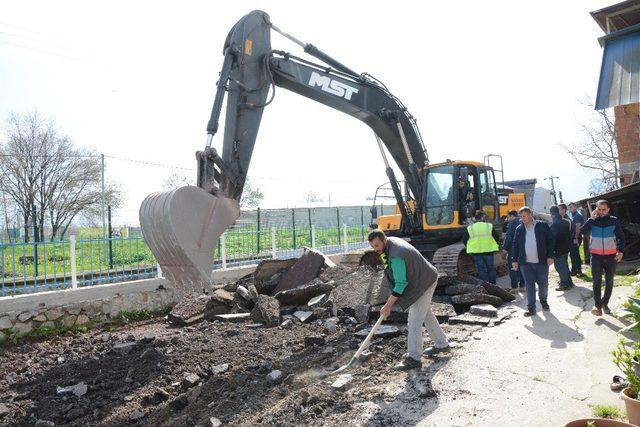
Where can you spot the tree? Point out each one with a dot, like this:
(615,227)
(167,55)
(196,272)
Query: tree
(175,181)
(91,214)
(251,196)
(312,197)
(598,150)
(43,171)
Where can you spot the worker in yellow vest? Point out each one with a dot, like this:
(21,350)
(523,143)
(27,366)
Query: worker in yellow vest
(482,242)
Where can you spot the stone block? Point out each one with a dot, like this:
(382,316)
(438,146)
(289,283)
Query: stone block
(5,322)
(22,328)
(54,313)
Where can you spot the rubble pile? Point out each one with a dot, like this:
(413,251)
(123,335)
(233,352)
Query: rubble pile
(313,287)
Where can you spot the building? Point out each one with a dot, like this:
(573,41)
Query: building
(619,82)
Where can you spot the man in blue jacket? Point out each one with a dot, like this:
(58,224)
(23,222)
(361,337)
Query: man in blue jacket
(412,280)
(533,254)
(517,281)
(605,245)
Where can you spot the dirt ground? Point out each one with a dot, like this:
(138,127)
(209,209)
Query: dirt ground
(544,370)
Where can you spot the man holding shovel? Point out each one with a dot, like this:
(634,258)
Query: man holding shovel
(412,280)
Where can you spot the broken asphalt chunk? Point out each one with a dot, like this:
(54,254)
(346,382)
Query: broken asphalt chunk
(79,389)
(306,268)
(486,310)
(384,331)
(341,381)
(267,311)
(304,316)
(233,318)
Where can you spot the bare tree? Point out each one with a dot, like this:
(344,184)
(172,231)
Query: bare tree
(43,172)
(21,161)
(91,212)
(251,196)
(312,197)
(598,151)
(176,180)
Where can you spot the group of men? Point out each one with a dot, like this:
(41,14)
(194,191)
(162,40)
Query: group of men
(532,247)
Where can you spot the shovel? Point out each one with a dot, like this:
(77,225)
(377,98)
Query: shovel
(362,347)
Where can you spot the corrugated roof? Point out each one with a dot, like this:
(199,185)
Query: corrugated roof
(619,82)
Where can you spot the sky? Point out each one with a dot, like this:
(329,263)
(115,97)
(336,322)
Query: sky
(136,81)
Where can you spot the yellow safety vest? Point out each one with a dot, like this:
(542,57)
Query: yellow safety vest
(480,238)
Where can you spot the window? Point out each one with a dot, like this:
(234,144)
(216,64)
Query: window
(488,196)
(439,195)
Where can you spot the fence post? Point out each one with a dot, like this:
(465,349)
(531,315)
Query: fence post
(258,243)
(338,215)
(110,229)
(362,221)
(344,237)
(223,250)
(72,251)
(310,227)
(274,248)
(158,271)
(36,236)
(293,223)
(313,236)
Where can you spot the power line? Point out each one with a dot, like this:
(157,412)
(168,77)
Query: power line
(144,162)
(41,51)
(33,40)
(20,28)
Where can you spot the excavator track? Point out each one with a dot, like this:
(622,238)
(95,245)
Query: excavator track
(453,260)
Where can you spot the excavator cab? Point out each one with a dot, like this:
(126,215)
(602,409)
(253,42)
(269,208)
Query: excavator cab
(455,191)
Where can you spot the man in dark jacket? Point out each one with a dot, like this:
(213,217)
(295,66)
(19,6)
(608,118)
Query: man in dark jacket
(605,245)
(533,253)
(517,281)
(576,223)
(561,231)
(412,280)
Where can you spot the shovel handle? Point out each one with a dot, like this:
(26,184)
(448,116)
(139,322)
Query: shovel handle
(365,343)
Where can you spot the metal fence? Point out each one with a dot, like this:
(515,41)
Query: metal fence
(83,260)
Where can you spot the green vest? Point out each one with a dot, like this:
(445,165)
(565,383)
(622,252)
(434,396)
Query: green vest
(480,239)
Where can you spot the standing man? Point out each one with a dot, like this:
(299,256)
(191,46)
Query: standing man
(412,280)
(561,231)
(517,281)
(481,240)
(576,223)
(563,211)
(533,254)
(605,246)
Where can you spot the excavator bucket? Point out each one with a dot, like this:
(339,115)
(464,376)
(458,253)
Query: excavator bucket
(182,228)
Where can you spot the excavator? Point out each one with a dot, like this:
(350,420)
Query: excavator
(182,226)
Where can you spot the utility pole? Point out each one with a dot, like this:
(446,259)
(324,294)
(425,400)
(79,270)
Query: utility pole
(553,188)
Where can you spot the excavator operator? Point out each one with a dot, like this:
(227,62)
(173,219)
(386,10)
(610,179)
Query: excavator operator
(465,197)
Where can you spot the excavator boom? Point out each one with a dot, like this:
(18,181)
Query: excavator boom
(250,73)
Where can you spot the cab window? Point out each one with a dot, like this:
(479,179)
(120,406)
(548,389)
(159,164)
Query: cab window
(439,195)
